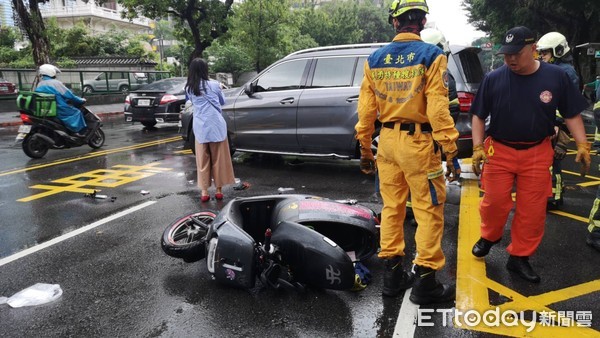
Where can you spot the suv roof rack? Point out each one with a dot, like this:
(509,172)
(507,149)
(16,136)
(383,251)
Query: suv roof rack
(336,47)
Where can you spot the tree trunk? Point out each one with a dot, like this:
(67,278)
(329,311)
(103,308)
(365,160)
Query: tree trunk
(198,47)
(31,21)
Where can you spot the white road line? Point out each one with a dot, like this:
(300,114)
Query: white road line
(74,233)
(407,318)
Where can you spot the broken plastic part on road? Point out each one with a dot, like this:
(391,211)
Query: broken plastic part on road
(36,294)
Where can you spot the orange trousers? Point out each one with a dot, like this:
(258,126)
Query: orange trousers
(411,163)
(529,170)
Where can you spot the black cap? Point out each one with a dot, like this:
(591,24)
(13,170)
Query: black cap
(515,39)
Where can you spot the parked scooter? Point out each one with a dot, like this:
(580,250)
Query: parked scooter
(286,241)
(42,130)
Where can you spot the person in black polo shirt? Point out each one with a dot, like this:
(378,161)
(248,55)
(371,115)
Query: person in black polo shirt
(521,99)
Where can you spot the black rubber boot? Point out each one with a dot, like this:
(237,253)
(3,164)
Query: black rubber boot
(395,279)
(521,266)
(482,247)
(593,239)
(428,290)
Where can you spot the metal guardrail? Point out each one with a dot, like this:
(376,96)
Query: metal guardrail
(80,81)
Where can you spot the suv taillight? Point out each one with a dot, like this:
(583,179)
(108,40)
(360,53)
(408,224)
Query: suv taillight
(168,98)
(464,101)
(127,100)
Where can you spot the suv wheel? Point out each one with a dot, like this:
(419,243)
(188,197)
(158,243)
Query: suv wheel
(124,89)
(88,89)
(191,141)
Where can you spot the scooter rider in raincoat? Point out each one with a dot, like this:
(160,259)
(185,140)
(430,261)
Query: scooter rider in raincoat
(406,82)
(70,116)
(553,48)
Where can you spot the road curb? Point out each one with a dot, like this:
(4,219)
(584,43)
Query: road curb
(17,121)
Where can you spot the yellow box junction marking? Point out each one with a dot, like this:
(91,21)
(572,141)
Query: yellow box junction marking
(86,183)
(472,284)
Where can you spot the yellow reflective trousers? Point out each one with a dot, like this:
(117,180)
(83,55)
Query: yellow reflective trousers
(411,162)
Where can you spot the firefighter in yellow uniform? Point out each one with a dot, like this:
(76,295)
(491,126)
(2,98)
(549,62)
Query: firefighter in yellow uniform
(406,81)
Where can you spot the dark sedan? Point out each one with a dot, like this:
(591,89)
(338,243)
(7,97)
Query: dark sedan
(157,102)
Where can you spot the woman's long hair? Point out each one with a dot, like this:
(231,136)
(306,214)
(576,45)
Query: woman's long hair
(197,77)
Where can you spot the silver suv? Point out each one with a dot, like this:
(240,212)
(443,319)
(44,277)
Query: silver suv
(306,104)
(115,81)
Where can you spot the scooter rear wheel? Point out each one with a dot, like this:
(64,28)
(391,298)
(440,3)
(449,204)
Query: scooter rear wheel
(186,237)
(35,147)
(97,140)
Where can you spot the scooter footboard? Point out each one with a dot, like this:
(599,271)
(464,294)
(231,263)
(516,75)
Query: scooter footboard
(313,258)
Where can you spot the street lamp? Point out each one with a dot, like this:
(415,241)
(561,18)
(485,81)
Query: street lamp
(159,46)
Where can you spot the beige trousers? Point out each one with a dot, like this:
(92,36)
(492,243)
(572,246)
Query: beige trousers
(213,162)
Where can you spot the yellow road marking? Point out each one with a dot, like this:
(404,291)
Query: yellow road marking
(566,214)
(472,283)
(578,174)
(92,155)
(567,293)
(470,271)
(108,178)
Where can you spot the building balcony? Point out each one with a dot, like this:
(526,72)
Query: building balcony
(99,19)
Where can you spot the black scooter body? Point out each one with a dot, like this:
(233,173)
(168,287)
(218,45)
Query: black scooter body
(61,137)
(49,133)
(298,224)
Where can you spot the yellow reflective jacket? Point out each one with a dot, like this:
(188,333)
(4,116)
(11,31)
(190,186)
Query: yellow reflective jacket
(406,81)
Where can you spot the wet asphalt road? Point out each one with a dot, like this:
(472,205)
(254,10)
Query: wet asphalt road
(118,282)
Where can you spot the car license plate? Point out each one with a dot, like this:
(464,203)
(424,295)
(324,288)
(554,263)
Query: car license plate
(3,88)
(143,102)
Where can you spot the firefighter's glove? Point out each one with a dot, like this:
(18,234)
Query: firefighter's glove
(478,158)
(367,162)
(452,167)
(583,156)
(560,149)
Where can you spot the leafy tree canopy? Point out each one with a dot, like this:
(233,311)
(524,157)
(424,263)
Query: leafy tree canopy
(576,20)
(198,22)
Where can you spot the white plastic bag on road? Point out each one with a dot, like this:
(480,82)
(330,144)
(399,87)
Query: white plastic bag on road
(36,294)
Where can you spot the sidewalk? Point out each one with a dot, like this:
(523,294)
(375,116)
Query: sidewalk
(8,119)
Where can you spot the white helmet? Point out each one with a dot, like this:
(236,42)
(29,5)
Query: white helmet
(435,37)
(555,42)
(49,70)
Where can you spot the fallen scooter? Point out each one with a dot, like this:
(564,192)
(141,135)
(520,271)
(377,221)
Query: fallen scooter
(285,241)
